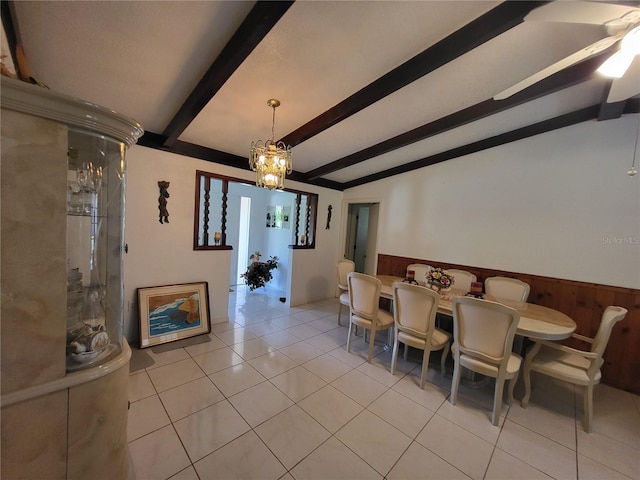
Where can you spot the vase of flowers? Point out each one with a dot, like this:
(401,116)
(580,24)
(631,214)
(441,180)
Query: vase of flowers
(258,273)
(439,279)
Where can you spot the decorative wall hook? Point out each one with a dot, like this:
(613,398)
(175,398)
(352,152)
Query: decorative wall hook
(162,201)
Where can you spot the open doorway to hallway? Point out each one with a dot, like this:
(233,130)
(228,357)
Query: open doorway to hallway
(243,239)
(361,236)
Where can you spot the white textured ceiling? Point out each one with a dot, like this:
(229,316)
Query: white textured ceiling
(144,58)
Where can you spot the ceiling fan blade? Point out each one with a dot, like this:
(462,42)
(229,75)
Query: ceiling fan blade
(593,13)
(583,54)
(628,86)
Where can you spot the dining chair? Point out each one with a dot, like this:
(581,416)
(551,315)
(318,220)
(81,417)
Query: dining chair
(421,270)
(571,365)
(507,288)
(483,334)
(364,298)
(462,279)
(414,317)
(344,267)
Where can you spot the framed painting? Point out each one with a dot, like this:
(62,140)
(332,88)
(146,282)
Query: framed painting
(173,312)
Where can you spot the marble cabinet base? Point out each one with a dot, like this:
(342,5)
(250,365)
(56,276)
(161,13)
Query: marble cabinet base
(74,432)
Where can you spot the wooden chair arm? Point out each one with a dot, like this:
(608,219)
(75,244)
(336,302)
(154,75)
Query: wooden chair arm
(582,337)
(564,348)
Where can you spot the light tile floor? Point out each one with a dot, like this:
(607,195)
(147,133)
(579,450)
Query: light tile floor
(273,394)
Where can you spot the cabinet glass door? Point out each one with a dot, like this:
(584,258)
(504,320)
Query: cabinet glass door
(95,239)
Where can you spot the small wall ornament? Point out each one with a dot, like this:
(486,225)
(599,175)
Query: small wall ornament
(162,201)
(329,208)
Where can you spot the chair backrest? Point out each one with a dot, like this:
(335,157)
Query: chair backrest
(462,279)
(364,294)
(507,288)
(610,317)
(421,270)
(484,329)
(414,308)
(345,266)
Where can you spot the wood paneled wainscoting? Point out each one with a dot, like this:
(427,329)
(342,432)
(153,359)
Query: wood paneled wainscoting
(583,302)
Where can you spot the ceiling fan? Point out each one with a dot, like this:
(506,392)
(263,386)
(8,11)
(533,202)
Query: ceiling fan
(622,24)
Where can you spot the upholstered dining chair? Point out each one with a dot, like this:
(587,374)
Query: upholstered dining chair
(483,334)
(364,298)
(571,365)
(507,288)
(462,279)
(344,267)
(421,270)
(414,317)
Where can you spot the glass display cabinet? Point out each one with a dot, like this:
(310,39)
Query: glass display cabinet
(64,360)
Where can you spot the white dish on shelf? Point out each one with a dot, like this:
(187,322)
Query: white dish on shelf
(85,357)
(80,361)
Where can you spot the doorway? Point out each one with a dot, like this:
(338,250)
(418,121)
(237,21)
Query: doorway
(243,238)
(361,236)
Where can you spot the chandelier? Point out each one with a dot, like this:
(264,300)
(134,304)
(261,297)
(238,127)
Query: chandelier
(270,160)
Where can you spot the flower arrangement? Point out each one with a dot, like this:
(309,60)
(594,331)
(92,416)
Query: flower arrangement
(258,273)
(439,279)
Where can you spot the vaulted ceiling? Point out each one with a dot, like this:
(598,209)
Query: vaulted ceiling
(369,89)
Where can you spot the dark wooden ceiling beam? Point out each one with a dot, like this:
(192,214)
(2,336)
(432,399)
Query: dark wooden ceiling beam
(565,120)
(565,78)
(261,19)
(479,31)
(156,141)
(585,114)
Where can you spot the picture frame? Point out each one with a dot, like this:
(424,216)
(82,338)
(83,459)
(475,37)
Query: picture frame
(173,312)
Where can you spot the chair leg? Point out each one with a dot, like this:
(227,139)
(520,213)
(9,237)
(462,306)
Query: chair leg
(455,382)
(406,351)
(512,386)
(443,359)
(425,367)
(339,312)
(372,340)
(527,386)
(588,408)
(349,336)
(497,402)
(527,373)
(394,355)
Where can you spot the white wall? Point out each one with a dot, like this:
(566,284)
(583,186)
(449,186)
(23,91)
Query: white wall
(162,254)
(557,205)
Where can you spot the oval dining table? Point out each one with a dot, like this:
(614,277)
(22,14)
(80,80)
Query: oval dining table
(536,321)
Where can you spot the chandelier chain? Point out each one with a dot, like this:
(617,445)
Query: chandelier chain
(273,124)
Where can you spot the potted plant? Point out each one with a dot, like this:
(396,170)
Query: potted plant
(258,273)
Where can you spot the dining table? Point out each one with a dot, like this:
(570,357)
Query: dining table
(536,321)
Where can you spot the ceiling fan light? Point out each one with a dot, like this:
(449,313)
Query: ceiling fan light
(616,64)
(631,42)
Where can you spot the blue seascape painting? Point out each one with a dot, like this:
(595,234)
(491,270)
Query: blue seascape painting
(181,314)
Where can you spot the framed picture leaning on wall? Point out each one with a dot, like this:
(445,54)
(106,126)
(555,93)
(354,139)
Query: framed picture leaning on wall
(173,312)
